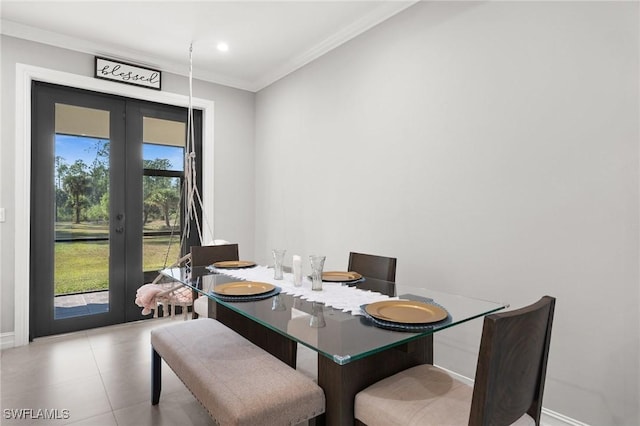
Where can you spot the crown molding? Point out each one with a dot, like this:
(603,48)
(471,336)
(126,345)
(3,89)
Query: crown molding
(38,35)
(384,11)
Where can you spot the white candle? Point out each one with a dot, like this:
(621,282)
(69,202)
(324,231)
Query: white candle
(297,270)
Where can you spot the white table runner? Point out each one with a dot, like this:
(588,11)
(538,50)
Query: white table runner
(336,295)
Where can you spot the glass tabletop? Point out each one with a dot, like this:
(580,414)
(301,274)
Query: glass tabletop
(338,335)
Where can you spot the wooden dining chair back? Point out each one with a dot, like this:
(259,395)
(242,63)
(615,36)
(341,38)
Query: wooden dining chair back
(375,268)
(206,255)
(512,364)
(372,266)
(508,387)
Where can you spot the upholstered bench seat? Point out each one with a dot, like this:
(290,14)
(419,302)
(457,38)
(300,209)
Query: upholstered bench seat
(236,381)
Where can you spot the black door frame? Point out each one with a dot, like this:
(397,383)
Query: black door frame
(125,247)
(135,111)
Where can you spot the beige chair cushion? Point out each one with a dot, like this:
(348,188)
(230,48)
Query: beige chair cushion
(236,381)
(421,396)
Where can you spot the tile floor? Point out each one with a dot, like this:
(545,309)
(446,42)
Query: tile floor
(102,377)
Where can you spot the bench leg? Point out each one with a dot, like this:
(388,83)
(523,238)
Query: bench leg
(156,376)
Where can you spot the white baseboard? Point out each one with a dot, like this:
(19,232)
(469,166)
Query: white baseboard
(551,418)
(548,418)
(7,340)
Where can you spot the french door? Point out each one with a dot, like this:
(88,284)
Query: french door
(106,207)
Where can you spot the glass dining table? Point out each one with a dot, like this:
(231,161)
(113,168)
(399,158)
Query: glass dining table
(354,351)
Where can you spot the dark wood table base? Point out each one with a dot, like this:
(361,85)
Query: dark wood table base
(283,348)
(340,383)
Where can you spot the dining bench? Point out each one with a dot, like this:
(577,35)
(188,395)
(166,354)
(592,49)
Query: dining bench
(237,382)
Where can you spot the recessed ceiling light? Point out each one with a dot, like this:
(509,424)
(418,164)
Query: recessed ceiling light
(223,47)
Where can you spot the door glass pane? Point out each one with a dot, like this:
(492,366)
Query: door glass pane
(81,185)
(161,237)
(163,158)
(164,142)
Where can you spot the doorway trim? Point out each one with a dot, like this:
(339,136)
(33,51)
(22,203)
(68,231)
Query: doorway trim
(25,74)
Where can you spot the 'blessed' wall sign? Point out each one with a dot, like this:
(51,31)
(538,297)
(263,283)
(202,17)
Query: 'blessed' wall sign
(108,69)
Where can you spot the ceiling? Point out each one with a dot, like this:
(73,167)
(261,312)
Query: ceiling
(267,40)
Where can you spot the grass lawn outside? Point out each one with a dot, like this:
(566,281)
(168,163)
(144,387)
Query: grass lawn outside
(83,266)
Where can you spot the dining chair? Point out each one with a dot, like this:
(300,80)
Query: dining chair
(205,256)
(377,267)
(508,387)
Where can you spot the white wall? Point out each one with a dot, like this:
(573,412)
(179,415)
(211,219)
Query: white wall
(232,158)
(493,148)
